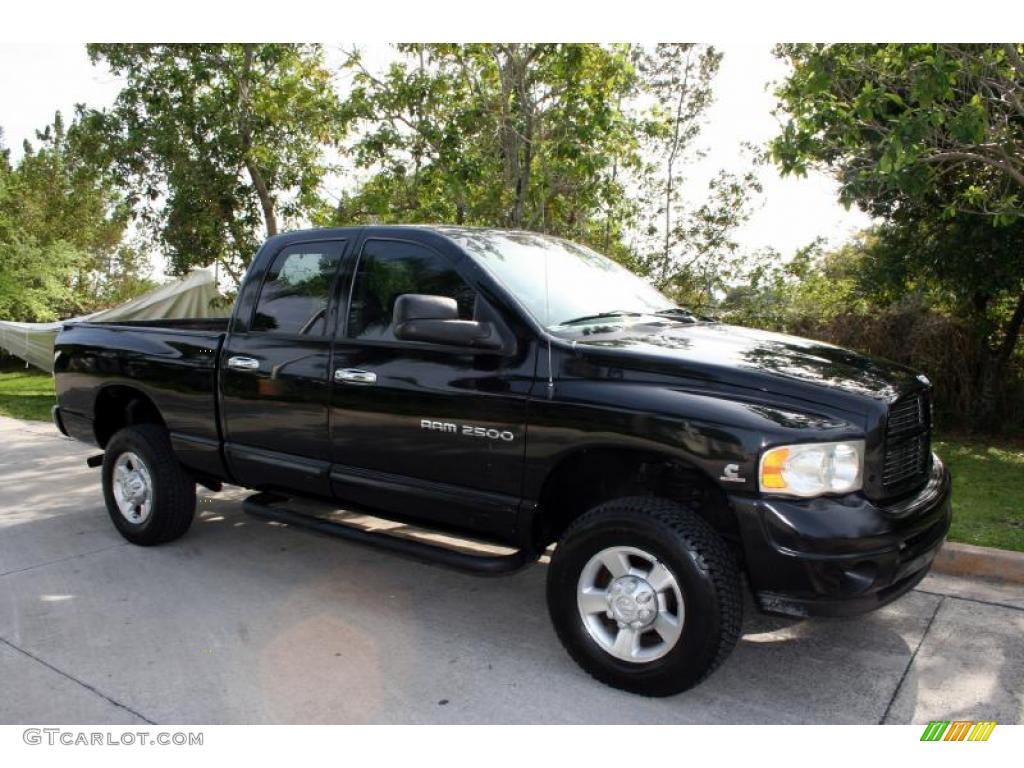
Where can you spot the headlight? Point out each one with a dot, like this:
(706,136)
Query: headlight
(812,469)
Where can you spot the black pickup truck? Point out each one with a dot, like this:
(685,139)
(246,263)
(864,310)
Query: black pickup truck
(522,390)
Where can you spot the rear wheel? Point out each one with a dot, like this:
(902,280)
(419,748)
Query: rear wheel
(645,595)
(150,498)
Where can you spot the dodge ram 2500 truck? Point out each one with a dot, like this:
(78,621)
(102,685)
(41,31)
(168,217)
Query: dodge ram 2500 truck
(522,390)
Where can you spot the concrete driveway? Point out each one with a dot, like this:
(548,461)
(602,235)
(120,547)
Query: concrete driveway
(244,621)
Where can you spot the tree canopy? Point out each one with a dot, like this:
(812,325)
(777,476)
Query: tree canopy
(517,135)
(62,226)
(218,143)
(896,121)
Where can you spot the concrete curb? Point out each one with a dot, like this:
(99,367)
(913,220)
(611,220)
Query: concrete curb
(984,562)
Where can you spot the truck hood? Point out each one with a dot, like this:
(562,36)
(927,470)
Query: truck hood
(750,358)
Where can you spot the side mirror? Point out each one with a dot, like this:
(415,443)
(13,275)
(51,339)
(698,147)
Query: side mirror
(435,320)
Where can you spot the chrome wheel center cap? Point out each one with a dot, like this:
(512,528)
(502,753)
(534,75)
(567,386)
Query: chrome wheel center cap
(134,487)
(632,602)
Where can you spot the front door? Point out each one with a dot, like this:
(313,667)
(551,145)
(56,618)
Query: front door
(275,375)
(421,431)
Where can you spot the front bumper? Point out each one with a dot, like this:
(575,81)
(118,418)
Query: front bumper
(841,556)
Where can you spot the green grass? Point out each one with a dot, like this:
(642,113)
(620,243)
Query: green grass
(988,492)
(26,393)
(988,479)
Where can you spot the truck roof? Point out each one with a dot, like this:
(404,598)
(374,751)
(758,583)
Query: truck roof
(440,229)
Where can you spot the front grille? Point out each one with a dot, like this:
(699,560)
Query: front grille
(906,460)
(905,416)
(907,443)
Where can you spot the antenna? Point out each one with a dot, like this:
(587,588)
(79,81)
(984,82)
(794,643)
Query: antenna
(547,324)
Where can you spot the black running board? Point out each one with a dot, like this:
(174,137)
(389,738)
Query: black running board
(262,505)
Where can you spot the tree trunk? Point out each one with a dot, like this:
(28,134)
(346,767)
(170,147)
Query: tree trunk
(988,414)
(267,202)
(266,199)
(517,126)
(523,183)
(1012,333)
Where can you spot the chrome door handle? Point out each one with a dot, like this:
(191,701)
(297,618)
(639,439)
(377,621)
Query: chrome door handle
(355,376)
(244,363)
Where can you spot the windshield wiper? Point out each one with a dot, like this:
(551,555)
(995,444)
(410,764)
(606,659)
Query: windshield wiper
(675,312)
(601,316)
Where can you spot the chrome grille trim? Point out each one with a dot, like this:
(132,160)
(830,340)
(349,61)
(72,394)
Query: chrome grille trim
(907,443)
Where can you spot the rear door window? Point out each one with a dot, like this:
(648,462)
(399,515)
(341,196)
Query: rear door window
(296,293)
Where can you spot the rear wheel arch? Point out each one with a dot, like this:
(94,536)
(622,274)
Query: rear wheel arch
(118,406)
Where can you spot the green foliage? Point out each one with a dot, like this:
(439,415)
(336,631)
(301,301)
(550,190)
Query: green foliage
(938,124)
(585,141)
(213,145)
(685,247)
(218,142)
(61,226)
(518,135)
(37,281)
(799,294)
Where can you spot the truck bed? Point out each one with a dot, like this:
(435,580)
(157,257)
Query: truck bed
(172,362)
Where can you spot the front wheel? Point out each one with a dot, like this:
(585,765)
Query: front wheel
(645,595)
(149,496)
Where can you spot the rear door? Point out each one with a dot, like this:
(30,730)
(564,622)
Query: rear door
(420,430)
(275,373)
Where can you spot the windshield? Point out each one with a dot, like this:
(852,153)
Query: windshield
(582,285)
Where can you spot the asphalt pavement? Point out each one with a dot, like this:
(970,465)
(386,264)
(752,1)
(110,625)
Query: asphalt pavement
(248,621)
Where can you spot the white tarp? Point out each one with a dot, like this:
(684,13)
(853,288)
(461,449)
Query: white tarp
(188,297)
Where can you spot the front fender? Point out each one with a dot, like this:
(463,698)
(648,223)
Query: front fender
(721,436)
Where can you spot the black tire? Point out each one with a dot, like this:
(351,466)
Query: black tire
(705,572)
(173,491)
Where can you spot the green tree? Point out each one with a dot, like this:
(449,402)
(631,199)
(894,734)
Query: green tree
(218,143)
(894,121)
(36,281)
(586,141)
(685,248)
(931,137)
(517,135)
(61,227)
(61,196)
(5,190)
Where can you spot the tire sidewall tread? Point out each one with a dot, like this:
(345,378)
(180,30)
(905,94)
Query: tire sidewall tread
(705,570)
(174,492)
